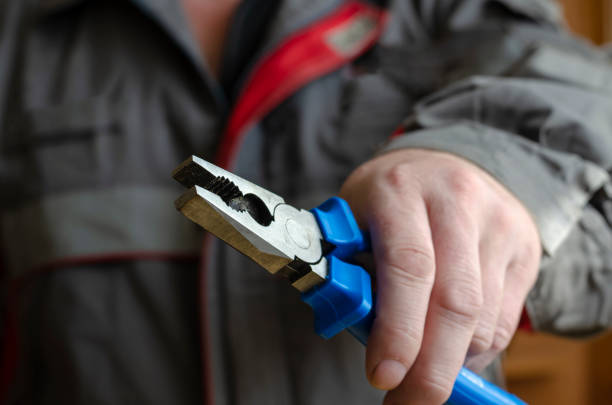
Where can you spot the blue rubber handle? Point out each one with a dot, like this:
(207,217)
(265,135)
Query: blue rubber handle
(345,300)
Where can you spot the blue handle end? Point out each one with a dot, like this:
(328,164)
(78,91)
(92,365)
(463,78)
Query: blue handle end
(344,299)
(470,389)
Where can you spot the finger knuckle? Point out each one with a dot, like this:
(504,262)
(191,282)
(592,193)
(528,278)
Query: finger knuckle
(410,335)
(503,335)
(503,221)
(482,340)
(398,176)
(412,263)
(532,253)
(524,272)
(463,182)
(404,335)
(461,301)
(436,388)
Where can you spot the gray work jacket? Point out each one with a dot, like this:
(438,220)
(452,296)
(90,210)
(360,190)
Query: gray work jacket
(106,295)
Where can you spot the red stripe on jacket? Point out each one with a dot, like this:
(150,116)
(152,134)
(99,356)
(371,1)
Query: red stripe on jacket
(300,59)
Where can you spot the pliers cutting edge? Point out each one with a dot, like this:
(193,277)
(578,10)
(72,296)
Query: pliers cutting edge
(312,249)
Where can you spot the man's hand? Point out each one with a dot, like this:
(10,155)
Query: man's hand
(456,255)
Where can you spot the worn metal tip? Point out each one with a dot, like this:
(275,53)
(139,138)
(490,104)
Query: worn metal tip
(190,173)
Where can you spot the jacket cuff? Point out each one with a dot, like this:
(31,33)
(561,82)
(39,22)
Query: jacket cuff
(572,294)
(553,186)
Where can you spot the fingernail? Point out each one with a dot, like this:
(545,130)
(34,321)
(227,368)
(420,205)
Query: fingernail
(388,374)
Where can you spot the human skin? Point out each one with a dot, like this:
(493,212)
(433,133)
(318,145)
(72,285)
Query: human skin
(209,21)
(456,255)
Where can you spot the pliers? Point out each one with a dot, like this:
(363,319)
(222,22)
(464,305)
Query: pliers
(313,250)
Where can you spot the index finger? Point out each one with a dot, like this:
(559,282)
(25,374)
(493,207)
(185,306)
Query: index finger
(405,268)
(454,307)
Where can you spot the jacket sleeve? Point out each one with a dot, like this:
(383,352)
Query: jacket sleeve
(503,85)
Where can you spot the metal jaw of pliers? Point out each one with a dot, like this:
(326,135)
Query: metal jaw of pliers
(282,239)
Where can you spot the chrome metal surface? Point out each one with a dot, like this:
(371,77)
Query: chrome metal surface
(279,237)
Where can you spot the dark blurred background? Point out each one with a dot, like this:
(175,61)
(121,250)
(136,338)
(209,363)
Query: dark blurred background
(543,369)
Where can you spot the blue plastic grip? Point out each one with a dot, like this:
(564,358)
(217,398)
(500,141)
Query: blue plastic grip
(345,300)
(339,228)
(470,389)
